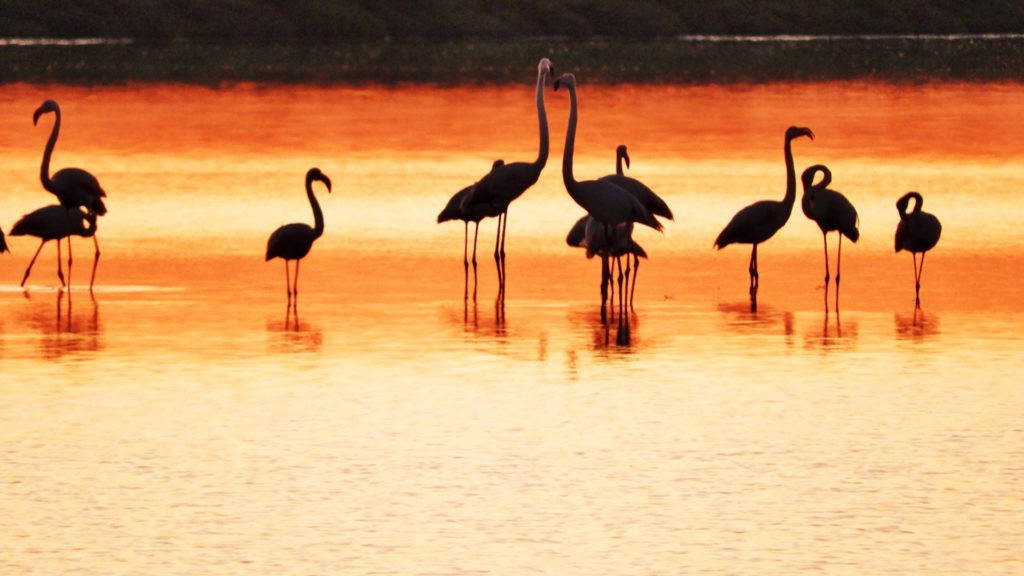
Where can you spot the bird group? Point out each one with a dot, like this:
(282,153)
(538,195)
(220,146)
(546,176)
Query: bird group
(80,201)
(613,205)
(616,202)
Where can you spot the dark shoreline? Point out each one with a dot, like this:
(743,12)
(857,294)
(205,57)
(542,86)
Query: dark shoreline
(682,61)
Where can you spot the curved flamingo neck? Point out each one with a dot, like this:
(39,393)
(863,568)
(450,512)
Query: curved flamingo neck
(904,202)
(318,214)
(618,162)
(44,169)
(542,118)
(570,140)
(790,197)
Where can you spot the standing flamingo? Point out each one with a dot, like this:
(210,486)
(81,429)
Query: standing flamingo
(3,243)
(507,182)
(916,233)
(52,223)
(453,210)
(608,203)
(831,211)
(760,221)
(293,241)
(645,195)
(73,187)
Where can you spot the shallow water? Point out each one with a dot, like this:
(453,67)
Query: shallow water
(179,421)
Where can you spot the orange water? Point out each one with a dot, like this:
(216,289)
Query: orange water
(179,421)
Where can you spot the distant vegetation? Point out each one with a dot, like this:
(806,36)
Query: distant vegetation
(217,42)
(371,20)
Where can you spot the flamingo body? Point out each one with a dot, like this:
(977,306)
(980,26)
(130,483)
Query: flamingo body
(56,223)
(72,186)
(917,231)
(650,200)
(829,209)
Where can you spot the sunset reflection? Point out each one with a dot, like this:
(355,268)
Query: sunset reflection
(391,419)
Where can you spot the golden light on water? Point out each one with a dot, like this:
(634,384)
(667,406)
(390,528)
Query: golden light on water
(182,418)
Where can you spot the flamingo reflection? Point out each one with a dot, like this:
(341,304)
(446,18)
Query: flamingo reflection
(56,223)
(293,241)
(73,187)
(507,182)
(760,221)
(830,210)
(918,232)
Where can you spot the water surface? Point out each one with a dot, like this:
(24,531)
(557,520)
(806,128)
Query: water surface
(180,421)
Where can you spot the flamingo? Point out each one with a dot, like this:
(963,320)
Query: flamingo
(73,187)
(645,195)
(608,203)
(507,182)
(760,221)
(453,210)
(52,223)
(3,243)
(293,241)
(589,234)
(916,233)
(831,211)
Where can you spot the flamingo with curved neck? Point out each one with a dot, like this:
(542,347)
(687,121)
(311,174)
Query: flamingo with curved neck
(73,187)
(293,241)
(917,232)
(830,210)
(760,221)
(503,184)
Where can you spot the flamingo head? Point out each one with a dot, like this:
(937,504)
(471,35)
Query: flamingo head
(48,106)
(545,67)
(808,177)
(315,174)
(794,132)
(568,80)
(621,153)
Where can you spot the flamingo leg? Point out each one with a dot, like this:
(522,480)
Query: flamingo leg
(288,281)
(476,233)
(918,272)
(60,265)
(839,259)
(618,260)
(636,271)
(95,262)
(752,268)
(29,269)
(295,284)
(68,229)
(628,296)
(465,261)
(605,275)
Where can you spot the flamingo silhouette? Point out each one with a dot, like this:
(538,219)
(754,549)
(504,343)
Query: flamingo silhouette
(53,223)
(608,203)
(73,187)
(454,210)
(590,235)
(918,232)
(507,182)
(645,195)
(3,243)
(293,241)
(760,221)
(831,211)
